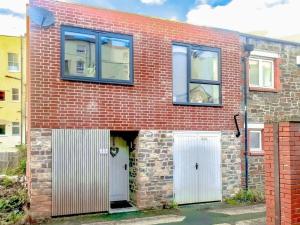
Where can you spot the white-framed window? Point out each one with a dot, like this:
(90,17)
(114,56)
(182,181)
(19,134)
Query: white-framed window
(81,49)
(2,129)
(80,66)
(255,141)
(15,94)
(13,62)
(261,73)
(15,128)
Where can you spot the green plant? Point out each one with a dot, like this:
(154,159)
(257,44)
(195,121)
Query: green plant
(6,182)
(13,203)
(170,205)
(246,197)
(21,168)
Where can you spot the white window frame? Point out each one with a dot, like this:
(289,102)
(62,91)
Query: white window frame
(14,126)
(12,94)
(260,72)
(81,49)
(260,149)
(11,69)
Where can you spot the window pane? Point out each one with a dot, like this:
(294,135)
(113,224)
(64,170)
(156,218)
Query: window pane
(73,43)
(204,93)
(15,128)
(267,71)
(179,74)
(115,58)
(13,62)
(254,72)
(2,129)
(15,94)
(204,65)
(2,95)
(255,139)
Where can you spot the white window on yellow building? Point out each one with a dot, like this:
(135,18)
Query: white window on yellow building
(15,128)
(13,62)
(15,94)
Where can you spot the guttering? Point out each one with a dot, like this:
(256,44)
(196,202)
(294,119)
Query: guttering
(22,101)
(247,50)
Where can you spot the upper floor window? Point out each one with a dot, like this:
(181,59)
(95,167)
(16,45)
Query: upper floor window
(196,75)
(15,95)
(2,95)
(264,71)
(96,56)
(13,62)
(261,73)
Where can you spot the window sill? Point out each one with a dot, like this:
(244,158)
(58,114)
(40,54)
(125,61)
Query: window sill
(93,80)
(260,89)
(14,71)
(256,153)
(197,104)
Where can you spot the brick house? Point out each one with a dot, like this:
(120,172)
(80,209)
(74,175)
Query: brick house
(127,110)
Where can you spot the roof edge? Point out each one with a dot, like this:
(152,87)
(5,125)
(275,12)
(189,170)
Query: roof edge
(280,41)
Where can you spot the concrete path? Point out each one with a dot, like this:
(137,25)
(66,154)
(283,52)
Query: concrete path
(143,221)
(240,210)
(259,221)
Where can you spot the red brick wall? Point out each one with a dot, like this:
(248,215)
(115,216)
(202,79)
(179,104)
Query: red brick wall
(269,173)
(55,103)
(289,157)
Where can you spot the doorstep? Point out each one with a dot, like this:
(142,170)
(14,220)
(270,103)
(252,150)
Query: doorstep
(143,221)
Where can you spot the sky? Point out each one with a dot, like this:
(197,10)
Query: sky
(272,18)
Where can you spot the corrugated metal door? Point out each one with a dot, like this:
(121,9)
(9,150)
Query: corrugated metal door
(80,171)
(197,172)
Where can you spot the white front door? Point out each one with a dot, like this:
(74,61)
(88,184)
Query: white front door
(119,171)
(197,167)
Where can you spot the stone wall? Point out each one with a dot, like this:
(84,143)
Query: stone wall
(155,168)
(256,178)
(231,163)
(132,176)
(40,179)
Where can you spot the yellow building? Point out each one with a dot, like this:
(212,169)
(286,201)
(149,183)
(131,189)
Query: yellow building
(12,92)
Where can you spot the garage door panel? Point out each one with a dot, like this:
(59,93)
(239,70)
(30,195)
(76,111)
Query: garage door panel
(80,171)
(197,185)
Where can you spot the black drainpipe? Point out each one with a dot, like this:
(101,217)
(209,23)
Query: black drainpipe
(247,50)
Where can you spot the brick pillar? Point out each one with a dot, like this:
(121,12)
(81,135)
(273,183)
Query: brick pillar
(269,173)
(289,161)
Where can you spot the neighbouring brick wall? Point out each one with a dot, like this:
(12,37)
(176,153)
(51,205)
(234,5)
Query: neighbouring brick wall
(289,160)
(273,106)
(154,168)
(269,173)
(40,167)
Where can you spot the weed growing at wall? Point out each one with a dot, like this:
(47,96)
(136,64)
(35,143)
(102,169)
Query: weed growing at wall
(246,197)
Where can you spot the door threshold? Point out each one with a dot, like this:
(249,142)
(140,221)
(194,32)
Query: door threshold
(129,208)
(122,210)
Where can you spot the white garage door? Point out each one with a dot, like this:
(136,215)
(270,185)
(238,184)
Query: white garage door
(197,167)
